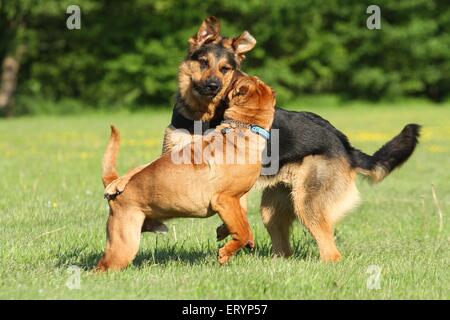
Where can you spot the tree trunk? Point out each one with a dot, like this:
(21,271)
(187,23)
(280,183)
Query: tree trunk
(10,71)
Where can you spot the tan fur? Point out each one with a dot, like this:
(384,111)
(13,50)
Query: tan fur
(174,138)
(109,167)
(376,175)
(321,192)
(164,190)
(190,103)
(277,213)
(209,31)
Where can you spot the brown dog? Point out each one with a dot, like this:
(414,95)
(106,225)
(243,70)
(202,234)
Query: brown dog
(164,189)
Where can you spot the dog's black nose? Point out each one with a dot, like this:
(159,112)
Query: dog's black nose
(213,85)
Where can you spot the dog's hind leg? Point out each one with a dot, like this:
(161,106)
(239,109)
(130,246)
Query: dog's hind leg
(123,237)
(314,193)
(323,233)
(235,220)
(277,215)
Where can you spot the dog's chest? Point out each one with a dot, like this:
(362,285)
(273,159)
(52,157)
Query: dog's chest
(176,138)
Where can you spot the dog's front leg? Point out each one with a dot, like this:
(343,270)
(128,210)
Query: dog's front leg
(222,230)
(234,218)
(123,238)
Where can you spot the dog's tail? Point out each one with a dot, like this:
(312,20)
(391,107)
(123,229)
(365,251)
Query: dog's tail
(109,158)
(390,156)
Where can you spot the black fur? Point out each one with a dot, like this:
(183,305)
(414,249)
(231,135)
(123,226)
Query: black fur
(181,122)
(305,133)
(393,154)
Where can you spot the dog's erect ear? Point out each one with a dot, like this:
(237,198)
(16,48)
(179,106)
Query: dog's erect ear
(242,44)
(209,31)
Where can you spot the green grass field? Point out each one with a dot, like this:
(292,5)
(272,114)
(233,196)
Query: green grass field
(53,216)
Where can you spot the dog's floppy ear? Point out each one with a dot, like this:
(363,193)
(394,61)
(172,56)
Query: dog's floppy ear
(242,44)
(209,31)
(242,90)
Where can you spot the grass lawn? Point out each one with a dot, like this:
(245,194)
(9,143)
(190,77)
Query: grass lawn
(53,216)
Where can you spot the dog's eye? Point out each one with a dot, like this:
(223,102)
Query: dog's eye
(203,63)
(225,69)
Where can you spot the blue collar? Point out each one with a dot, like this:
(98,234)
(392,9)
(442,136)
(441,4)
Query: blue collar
(261,131)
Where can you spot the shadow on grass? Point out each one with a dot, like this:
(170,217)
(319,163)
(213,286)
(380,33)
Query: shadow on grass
(164,256)
(161,256)
(80,258)
(304,247)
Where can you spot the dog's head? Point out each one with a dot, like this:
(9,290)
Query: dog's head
(207,71)
(251,101)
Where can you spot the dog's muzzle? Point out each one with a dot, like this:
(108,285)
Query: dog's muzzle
(209,87)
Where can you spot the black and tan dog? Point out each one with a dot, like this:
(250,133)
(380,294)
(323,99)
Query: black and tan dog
(203,78)
(165,189)
(318,165)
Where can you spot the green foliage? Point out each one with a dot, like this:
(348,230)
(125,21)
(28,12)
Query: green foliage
(127,52)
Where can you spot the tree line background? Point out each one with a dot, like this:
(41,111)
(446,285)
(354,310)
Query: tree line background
(127,53)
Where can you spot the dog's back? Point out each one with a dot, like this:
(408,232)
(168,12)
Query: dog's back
(304,134)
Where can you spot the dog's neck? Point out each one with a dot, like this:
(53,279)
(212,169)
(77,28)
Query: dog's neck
(198,110)
(183,116)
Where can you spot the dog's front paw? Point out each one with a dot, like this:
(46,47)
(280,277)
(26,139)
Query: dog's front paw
(224,256)
(331,257)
